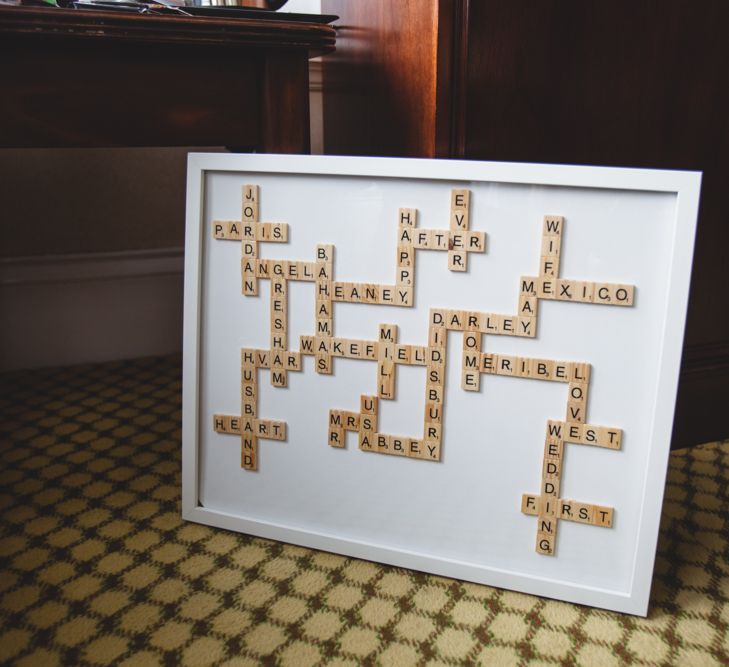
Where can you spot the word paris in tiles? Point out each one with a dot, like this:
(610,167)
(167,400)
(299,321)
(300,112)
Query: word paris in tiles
(509,335)
(457,241)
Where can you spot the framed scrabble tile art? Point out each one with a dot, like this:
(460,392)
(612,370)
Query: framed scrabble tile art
(464,368)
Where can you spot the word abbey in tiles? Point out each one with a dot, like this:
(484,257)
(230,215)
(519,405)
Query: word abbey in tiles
(459,243)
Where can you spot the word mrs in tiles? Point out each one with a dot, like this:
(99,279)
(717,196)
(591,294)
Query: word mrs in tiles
(384,349)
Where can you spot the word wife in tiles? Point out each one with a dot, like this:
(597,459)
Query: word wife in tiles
(385,350)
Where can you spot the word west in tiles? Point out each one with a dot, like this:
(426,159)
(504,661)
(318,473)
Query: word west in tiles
(388,352)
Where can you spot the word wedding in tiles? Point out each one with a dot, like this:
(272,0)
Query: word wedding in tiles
(462,241)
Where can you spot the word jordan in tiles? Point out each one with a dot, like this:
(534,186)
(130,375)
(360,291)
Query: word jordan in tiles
(387,352)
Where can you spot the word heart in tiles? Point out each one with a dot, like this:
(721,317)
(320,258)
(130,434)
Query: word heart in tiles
(385,350)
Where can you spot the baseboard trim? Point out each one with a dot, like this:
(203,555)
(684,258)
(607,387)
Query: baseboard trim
(61,310)
(91,266)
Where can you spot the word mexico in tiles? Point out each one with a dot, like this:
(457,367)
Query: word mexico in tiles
(384,349)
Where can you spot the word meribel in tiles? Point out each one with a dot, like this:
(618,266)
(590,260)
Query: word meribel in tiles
(388,352)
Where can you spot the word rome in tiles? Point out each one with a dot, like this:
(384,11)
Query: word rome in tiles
(461,242)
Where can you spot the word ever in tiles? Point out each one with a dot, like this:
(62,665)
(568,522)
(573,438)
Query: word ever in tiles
(384,348)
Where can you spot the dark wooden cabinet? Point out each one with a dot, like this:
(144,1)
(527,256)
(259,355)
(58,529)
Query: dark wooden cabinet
(630,83)
(100,79)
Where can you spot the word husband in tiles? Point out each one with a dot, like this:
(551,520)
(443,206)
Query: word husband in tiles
(384,349)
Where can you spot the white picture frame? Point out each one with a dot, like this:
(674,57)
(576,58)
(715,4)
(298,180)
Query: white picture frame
(459,516)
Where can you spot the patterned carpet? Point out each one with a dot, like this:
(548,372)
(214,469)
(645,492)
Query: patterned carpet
(96,567)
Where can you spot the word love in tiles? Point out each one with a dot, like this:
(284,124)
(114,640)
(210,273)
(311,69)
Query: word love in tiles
(387,352)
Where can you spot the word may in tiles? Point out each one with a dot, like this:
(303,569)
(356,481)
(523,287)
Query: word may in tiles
(385,350)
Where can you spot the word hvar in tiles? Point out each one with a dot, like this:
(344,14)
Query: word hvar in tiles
(387,352)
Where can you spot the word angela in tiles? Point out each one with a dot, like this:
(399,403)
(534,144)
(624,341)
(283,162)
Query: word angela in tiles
(385,349)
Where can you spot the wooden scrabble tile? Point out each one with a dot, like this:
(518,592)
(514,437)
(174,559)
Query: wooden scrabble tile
(545,544)
(555,430)
(553,225)
(325,253)
(323,363)
(573,432)
(460,199)
(457,241)
(528,285)
(383,443)
(350,420)
(611,438)
(550,487)
(219,228)
(551,245)
(367,440)
(221,423)
(476,241)
(368,423)
(489,363)
(368,404)
(418,355)
(279,377)
(249,452)
(584,291)
(434,394)
(387,294)
(433,412)
(436,358)
(529,504)
(456,260)
(250,211)
(402,353)
(523,367)
(404,295)
(455,320)
(405,255)
(437,336)
(527,327)
(542,369)
(561,371)
(577,392)
(414,448)
(527,305)
(509,325)
(551,468)
(398,445)
(439,239)
(549,268)
(491,323)
(421,239)
(459,220)
(547,524)
(470,380)
(547,288)
(580,372)
(387,333)
(575,412)
(602,293)
(472,341)
(566,290)
(602,516)
(403,276)
(250,193)
(336,436)
(431,450)
(553,448)
(624,294)
(547,506)
(507,365)
(407,217)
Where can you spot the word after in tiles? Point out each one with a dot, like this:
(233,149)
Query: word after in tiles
(462,243)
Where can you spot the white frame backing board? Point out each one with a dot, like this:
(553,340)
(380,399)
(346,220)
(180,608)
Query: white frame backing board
(507,335)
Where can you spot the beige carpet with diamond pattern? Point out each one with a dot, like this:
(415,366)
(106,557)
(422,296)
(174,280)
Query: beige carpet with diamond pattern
(97,568)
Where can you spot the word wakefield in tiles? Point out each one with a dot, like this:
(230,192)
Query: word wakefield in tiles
(296,326)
